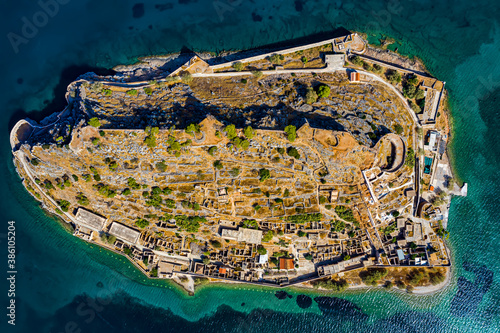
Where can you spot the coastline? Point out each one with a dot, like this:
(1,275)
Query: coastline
(432,290)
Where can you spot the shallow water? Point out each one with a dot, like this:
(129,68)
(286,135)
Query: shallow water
(59,276)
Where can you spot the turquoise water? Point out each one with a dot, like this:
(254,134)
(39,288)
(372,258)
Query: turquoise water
(64,284)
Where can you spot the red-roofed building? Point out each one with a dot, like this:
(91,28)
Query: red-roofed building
(355,77)
(286,263)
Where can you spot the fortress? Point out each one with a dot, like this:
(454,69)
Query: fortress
(276,169)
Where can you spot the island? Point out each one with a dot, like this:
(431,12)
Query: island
(322,165)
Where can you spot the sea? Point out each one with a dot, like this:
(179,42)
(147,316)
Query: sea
(62,284)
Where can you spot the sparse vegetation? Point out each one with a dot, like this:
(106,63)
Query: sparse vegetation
(291,133)
(238,66)
(94,122)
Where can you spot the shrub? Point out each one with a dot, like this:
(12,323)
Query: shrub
(268,236)
(409,90)
(187,78)
(148,91)
(234,172)
(291,132)
(132,92)
(250,224)
(126,191)
(264,174)
(193,128)
(329,284)
(323,91)
(257,74)
(345,213)
(311,96)
(107,92)
(293,152)
(304,218)
(212,150)
(109,239)
(150,140)
(378,69)
(373,275)
(419,94)
(82,200)
(412,79)
(261,250)
(238,66)
(357,61)
(216,244)
(218,165)
(231,131)
(94,122)
(249,132)
(132,183)
(189,223)
(161,166)
(410,157)
(415,107)
(64,204)
(398,128)
(275,58)
(105,191)
(337,226)
(141,223)
(303,59)
(244,81)
(393,76)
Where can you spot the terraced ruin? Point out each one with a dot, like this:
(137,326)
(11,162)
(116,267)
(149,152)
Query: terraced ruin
(269,178)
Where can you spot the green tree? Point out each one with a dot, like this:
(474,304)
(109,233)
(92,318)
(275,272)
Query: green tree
(291,132)
(257,74)
(218,165)
(268,236)
(410,158)
(94,122)
(231,131)
(393,76)
(193,128)
(264,174)
(238,66)
(234,172)
(356,60)
(141,223)
(311,96)
(293,152)
(261,250)
(132,92)
(212,150)
(249,132)
(64,204)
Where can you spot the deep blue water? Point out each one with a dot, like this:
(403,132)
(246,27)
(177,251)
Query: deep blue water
(65,285)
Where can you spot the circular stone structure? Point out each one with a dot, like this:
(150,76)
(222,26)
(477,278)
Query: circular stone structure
(391,146)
